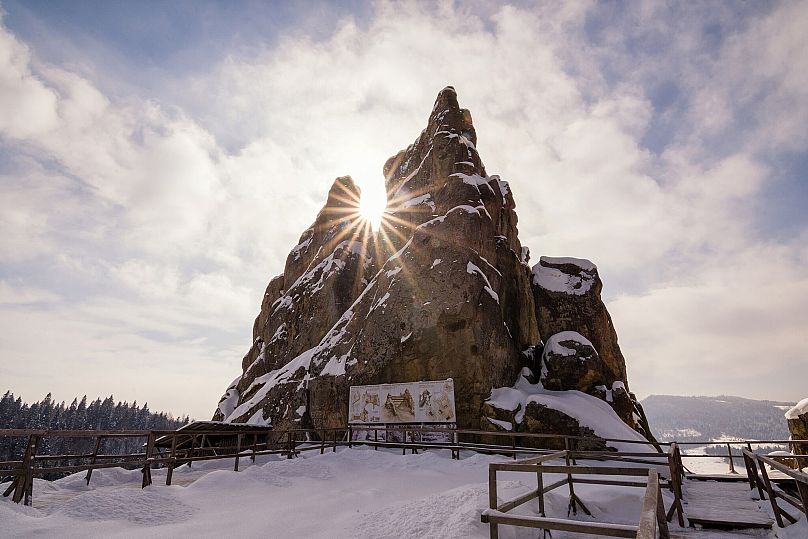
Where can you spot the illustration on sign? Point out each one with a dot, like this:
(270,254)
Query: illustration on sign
(414,402)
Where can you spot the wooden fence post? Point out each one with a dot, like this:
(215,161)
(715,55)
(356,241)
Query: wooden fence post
(23,482)
(731,463)
(802,488)
(29,486)
(255,442)
(574,499)
(675,467)
(662,522)
(173,459)
(190,452)
(572,445)
(147,464)
(93,458)
(238,451)
(540,489)
(493,527)
(770,492)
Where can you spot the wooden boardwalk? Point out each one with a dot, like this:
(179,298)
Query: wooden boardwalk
(715,504)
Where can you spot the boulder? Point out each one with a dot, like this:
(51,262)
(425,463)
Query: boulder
(570,361)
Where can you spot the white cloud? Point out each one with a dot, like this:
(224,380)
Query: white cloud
(164,219)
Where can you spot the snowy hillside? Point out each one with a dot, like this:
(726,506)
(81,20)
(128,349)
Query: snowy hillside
(713,418)
(351,493)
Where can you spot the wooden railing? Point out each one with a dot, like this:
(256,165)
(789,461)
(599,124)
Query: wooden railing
(739,446)
(652,521)
(161,449)
(169,449)
(759,479)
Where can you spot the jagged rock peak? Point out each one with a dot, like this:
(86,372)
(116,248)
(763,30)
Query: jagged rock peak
(443,290)
(447,121)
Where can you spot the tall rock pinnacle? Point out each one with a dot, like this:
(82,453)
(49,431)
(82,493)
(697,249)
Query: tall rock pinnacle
(442,290)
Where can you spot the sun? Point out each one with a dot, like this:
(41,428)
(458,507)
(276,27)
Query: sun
(372,205)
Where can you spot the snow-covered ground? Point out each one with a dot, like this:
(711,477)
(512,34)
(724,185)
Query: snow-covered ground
(351,493)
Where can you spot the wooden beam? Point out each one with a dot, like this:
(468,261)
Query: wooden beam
(601,529)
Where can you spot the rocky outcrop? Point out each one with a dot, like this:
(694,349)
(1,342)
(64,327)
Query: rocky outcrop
(582,351)
(797,418)
(442,290)
(567,296)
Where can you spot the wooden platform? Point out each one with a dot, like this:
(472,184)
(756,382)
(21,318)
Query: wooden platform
(715,504)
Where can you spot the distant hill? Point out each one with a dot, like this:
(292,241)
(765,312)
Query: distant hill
(705,418)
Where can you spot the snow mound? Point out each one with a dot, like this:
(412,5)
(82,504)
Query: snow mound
(146,508)
(588,411)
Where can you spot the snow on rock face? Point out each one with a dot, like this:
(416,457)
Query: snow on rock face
(473,269)
(446,292)
(560,412)
(351,308)
(800,409)
(555,344)
(564,275)
(229,400)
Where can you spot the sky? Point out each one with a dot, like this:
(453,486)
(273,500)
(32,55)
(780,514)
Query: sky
(158,160)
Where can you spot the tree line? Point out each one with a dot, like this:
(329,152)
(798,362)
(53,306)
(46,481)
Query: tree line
(99,414)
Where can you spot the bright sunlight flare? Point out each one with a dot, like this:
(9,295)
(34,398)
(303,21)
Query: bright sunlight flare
(372,205)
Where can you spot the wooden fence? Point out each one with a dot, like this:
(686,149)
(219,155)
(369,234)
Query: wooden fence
(169,449)
(652,518)
(759,479)
(738,446)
